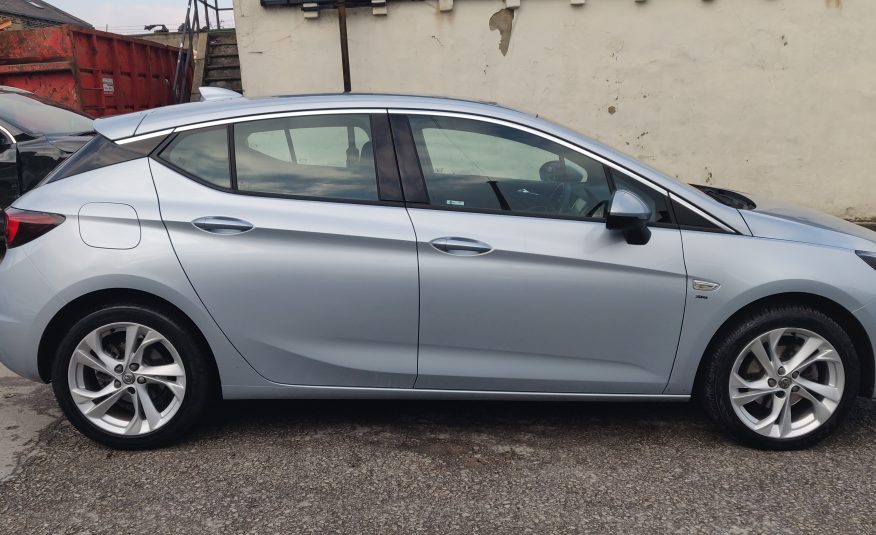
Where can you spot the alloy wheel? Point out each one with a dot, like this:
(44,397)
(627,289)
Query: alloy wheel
(127,379)
(786,383)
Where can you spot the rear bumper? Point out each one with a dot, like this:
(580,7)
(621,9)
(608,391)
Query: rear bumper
(27,304)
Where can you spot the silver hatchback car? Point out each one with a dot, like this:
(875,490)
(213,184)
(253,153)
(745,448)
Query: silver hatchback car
(378,246)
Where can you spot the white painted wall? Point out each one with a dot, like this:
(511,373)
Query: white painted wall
(776,97)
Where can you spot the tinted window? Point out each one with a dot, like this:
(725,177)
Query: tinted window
(100,152)
(323,156)
(690,220)
(474,164)
(203,154)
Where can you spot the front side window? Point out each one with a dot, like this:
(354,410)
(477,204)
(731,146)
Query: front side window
(322,156)
(473,164)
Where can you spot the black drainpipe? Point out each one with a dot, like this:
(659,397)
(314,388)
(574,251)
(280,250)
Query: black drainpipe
(345,49)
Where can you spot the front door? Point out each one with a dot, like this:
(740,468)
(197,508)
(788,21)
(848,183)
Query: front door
(521,285)
(303,262)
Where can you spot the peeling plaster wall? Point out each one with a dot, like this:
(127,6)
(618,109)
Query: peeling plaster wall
(775,97)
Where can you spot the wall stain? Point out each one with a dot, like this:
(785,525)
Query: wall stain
(834,3)
(502,20)
(612,110)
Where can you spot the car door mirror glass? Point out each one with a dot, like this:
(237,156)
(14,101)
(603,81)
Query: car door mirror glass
(629,214)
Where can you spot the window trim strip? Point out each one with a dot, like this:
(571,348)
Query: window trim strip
(280,115)
(150,135)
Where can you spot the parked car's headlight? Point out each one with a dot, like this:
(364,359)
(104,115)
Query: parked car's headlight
(868,257)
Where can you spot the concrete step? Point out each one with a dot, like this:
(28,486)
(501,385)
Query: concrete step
(221,50)
(223,62)
(222,74)
(223,37)
(234,85)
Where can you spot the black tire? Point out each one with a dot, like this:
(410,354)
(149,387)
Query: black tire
(198,374)
(714,382)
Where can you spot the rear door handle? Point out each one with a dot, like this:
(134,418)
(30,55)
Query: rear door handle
(222,225)
(461,246)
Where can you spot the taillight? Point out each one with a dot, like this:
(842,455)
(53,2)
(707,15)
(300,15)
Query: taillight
(22,226)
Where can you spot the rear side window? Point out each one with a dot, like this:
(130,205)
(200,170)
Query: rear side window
(319,156)
(100,152)
(202,154)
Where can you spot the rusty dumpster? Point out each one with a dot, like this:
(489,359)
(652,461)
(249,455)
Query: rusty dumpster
(95,72)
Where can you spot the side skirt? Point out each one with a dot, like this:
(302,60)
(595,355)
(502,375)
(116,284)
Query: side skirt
(343,392)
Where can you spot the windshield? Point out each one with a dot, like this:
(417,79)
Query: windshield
(35,115)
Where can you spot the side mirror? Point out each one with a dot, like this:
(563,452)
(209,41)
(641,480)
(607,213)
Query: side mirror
(629,214)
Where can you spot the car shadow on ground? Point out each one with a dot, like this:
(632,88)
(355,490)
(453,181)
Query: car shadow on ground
(656,422)
(455,413)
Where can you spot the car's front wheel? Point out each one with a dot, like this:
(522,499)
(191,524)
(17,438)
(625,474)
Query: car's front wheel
(783,378)
(130,376)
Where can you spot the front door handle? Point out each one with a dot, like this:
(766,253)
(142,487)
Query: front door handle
(461,246)
(222,225)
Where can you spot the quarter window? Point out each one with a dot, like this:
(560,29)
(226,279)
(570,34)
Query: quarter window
(322,156)
(203,154)
(471,164)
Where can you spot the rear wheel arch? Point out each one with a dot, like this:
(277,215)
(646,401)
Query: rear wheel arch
(839,313)
(85,304)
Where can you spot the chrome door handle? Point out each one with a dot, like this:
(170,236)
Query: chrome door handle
(461,246)
(222,225)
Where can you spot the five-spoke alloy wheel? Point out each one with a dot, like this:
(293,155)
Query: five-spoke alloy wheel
(131,376)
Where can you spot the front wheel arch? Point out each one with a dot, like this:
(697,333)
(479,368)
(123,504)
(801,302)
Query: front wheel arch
(85,304)
(839,313)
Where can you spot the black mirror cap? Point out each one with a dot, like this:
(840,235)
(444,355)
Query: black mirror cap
(624,222)
(639,236)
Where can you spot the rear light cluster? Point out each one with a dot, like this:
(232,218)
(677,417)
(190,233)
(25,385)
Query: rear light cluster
(21,226)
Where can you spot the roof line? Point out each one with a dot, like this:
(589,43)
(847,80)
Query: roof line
(53,13)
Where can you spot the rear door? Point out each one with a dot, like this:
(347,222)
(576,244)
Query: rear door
(292,232)
(522,287)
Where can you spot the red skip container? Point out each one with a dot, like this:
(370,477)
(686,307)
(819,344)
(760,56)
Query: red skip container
(95,72)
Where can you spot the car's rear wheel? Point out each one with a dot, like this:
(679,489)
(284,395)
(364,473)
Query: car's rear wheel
(130,376)
(783,378)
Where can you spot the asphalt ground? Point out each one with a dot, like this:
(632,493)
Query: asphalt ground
(431,467)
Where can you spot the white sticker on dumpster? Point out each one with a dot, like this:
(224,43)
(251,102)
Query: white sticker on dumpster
(108,87)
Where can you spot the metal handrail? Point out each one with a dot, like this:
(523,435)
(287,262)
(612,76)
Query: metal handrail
(186,53)
(188,32)
(213,7)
